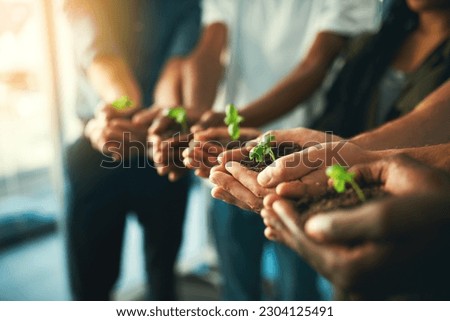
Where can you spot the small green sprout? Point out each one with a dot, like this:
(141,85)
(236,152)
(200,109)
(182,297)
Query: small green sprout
(260,151)
(340,177)
(122,103)
(232,120)
(178,114)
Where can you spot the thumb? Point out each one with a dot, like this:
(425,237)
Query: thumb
(344,226)
(146,117)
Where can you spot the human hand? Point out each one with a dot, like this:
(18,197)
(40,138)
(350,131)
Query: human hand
(303,172)
(208,144)
(113,133)
(209,119)
(346,246)
(399,176)
(237,184)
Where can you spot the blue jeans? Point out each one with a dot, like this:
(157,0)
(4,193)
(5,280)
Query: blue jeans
(239,237)
(98,201)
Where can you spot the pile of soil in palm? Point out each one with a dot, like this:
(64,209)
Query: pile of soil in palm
(332,200)
(280,150)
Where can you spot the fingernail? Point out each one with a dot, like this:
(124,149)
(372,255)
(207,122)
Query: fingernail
(228,165)
(220,158)
(212,179)
(263,178)
(319,224)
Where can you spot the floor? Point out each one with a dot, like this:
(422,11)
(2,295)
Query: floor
(36,271)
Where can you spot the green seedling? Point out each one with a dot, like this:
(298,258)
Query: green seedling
(178,114)
(260,151)
(122,103)
(232,120)
(340,177)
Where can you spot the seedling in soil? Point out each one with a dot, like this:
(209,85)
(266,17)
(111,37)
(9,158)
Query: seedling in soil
(178,114)
(122,103)
(232,120)
(263,149)
(340,177)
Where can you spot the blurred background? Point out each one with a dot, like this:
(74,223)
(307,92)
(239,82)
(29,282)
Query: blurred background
(37,121)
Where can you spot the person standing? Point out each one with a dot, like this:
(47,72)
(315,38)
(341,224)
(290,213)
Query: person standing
(122,48)
(274,57)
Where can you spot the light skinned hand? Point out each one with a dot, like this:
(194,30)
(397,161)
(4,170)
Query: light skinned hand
(113,133)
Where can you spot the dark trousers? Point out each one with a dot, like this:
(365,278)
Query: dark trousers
(98,200)
(239,237)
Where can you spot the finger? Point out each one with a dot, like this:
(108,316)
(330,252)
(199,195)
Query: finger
(233,155)
(270,199)
(270,234)
(176,174)
(359,224)
(240,193)
(176,143)
(160,125)
(216,133)
(220,193)
(202,161)
(313,184)
(293,236)
(168,158)
(270,219)
(247,178)
(146,117)
(284,169)
(208,119)
(204,173)
(108,112)
(287,214)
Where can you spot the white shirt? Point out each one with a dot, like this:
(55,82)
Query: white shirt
(268,38)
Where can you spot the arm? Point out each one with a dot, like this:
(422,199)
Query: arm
(112,78)
(203,69)
(435,155)
(97,52)
(297,86)
(428,124)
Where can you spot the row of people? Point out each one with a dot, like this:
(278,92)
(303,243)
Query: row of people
(279,73)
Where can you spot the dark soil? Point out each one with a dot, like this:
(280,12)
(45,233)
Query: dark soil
(280,150)
(173,130)
(332,200)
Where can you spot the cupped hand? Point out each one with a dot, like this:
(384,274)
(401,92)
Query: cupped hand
(208,144)
(113,133)
(237,184)
(207,120)
(304,172)
(400,176)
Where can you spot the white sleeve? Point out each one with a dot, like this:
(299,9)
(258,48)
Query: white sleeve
(219,11)
(349,17)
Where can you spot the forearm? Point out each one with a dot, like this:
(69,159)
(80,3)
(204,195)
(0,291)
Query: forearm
(428,124)
(435,156)
(168,89)
(112,78)
(203,69)
(297,86)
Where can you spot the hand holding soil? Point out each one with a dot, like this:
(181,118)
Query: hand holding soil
(168,136)
(347,245)
(208,144)
(298,165)
(236,177)
(113,133)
